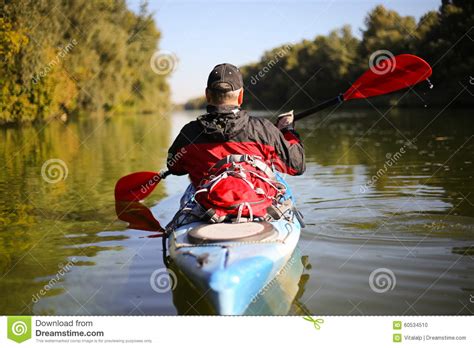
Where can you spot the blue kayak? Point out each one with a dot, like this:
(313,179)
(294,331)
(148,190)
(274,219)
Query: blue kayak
(231,264)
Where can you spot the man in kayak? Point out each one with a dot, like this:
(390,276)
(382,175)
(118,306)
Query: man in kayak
(226,130)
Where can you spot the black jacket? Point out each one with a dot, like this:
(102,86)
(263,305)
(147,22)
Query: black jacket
(226,130)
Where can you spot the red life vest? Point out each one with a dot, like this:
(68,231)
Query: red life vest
(238,186)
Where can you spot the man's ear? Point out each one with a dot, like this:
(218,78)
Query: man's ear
(208,98)
(240,100)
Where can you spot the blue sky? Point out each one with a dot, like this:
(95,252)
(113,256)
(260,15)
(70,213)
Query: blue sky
(203,33)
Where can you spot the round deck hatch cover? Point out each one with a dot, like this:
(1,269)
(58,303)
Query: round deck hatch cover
(228,232)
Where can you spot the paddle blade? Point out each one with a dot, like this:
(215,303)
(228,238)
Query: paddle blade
(136,186)
(138,216)
(389,75)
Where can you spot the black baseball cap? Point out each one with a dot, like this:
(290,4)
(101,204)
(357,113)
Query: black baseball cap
(225,74)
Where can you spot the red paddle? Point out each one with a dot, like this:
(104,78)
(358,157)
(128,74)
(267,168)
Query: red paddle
(137,186)
(386,76)
(137,215)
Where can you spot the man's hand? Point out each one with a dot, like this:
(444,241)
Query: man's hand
(286,120)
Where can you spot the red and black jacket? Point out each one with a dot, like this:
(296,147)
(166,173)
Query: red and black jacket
(227,130)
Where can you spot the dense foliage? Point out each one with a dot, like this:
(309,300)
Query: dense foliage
(195,103)
(297,76)
(59,57)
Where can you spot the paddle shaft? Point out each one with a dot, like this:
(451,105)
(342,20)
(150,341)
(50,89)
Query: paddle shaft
(324,105)
(164,173)
(300,115)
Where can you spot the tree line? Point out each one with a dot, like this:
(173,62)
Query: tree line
(59,58)
(298,75)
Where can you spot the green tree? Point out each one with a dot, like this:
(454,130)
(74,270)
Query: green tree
(446,42)
(386,29)
(88,56)
(313,70)
(296,76)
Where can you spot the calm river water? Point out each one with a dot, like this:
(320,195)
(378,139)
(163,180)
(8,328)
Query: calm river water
(387,202)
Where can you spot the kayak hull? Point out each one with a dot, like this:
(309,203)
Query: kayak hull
(231,274)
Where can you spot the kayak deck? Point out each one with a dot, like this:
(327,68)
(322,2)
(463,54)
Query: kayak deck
(229,267)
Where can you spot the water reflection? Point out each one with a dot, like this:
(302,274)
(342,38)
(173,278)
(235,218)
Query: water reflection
(43,225)
(280,297)
(138,216)
(415,219)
